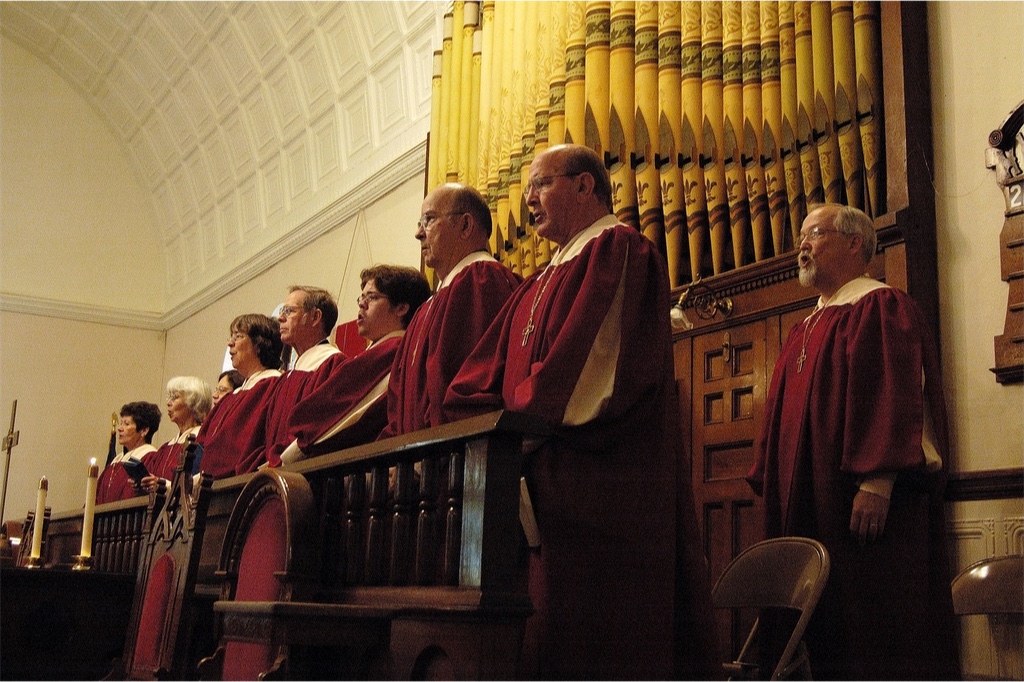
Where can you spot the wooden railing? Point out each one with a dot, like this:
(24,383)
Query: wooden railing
(429,520)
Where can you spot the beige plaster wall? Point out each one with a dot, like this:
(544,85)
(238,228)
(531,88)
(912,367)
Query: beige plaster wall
(68,377)
(977,78)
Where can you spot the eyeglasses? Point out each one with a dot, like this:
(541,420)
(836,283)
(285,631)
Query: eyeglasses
(426,221)
(368,298)
(288,310)
(237,336)
(544,181)
(816,233)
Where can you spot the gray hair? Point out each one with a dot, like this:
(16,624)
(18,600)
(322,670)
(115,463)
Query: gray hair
(855,223)
(196,392)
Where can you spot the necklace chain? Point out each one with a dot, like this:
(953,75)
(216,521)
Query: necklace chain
(529,328)
(808,330)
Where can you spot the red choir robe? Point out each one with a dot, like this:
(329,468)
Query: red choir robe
(114,482)
(440,335)
(619,585)
(866,406)
(310,370)
(165,460)
(236,427)
(349,407)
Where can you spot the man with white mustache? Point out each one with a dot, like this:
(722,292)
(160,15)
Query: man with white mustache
(851,455)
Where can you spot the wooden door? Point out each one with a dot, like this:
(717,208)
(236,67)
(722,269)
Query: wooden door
(729,380)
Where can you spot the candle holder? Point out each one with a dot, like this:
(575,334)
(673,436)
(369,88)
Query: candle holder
(82,563)
(33,562)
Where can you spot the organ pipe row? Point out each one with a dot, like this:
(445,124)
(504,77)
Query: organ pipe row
(719,122)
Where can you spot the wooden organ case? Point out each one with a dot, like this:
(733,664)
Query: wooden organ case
(741,317)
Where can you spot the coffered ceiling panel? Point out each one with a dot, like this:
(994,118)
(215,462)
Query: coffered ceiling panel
(245,120)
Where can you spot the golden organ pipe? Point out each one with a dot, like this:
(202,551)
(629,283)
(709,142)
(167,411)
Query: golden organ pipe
(668,147)
(456,116)
(575,72)
(645,138)
(732,129)
(496,72)
(520,66)
(435,122)
(621,121)
(805,141)
(446,88)
(486,61)
(771,101)
(760,224)
(787,143)
(597,73)
(824,102)
(869,102)
(510,255)
(847,130)
(468,124)
(691,131)
(712,133)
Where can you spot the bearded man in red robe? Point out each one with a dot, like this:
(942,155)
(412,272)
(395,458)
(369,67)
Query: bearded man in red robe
(852,455)
(619,581)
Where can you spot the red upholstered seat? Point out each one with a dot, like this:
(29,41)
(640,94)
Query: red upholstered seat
(268,555)
(154,613)
(263,558)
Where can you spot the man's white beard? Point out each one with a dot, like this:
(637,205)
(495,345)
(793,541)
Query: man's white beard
(808,274)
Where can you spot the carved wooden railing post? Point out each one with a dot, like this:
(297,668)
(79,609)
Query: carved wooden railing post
(426,524)
(332,560)
(377,526)
(355,496)
(453,519)
(401,524)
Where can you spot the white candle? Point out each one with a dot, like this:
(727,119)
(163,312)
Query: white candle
(37,524)
(90,509)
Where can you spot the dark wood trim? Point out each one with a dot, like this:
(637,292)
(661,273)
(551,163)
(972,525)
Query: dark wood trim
(992,484)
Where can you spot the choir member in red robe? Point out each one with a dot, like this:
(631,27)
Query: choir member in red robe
(236,428)
(307,318)
(227,382)
(619,584)
(189,400)
(453,231)
(139,421)
(851,455)
(350,406)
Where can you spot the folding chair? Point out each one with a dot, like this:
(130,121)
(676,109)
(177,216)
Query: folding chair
(780,573)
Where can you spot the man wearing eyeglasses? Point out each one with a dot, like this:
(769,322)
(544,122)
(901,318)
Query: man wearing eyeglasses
(453,231)
(854,425)
(619,582)
(307,318)
(349,407)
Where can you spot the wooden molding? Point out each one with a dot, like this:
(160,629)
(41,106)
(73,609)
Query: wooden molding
(993,484)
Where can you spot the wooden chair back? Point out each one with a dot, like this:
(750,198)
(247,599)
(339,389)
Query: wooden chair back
(160,627)
(269,555)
